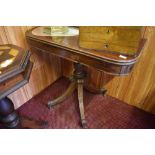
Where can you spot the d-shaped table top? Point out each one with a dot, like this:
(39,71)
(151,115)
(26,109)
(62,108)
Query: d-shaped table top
(68,47)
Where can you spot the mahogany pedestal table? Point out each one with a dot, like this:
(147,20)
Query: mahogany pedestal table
(15,70)
(67,47)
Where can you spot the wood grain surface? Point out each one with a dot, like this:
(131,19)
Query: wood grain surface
(121,39)
(138,88)
(46,70)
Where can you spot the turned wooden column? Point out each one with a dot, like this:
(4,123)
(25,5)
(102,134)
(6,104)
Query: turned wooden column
(8,116)
(77,81)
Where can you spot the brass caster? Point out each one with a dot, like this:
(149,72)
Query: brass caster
(84,124)
(49,105)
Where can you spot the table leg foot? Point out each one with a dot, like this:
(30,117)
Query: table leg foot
(84,124)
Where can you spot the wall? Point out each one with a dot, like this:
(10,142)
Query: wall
(137,89)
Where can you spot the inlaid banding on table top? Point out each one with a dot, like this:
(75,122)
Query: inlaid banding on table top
(6,56)
(12,60)
(69,49)
(72,44)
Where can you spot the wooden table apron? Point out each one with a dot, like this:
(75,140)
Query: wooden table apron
(109,63)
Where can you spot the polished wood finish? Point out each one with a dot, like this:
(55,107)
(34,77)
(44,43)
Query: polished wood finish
(80,75)
(8,116)
(66,94)
(15,82)
(121,39)
(15,70)
(17,58)
(77,82)
(68,48)
(81,104)
(140,81)
(137,88)
(44,64)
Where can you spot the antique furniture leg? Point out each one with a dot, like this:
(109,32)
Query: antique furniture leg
(68,92)
(77,82)
(8,115)
(81,106)
(79,75)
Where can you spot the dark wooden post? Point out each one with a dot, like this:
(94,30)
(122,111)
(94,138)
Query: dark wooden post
(8,116)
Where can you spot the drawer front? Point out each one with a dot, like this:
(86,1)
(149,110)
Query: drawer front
(116,39)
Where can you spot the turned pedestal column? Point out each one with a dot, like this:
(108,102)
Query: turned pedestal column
(8,116)
(77,82)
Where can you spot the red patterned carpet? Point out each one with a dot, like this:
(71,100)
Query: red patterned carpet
(101,112)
